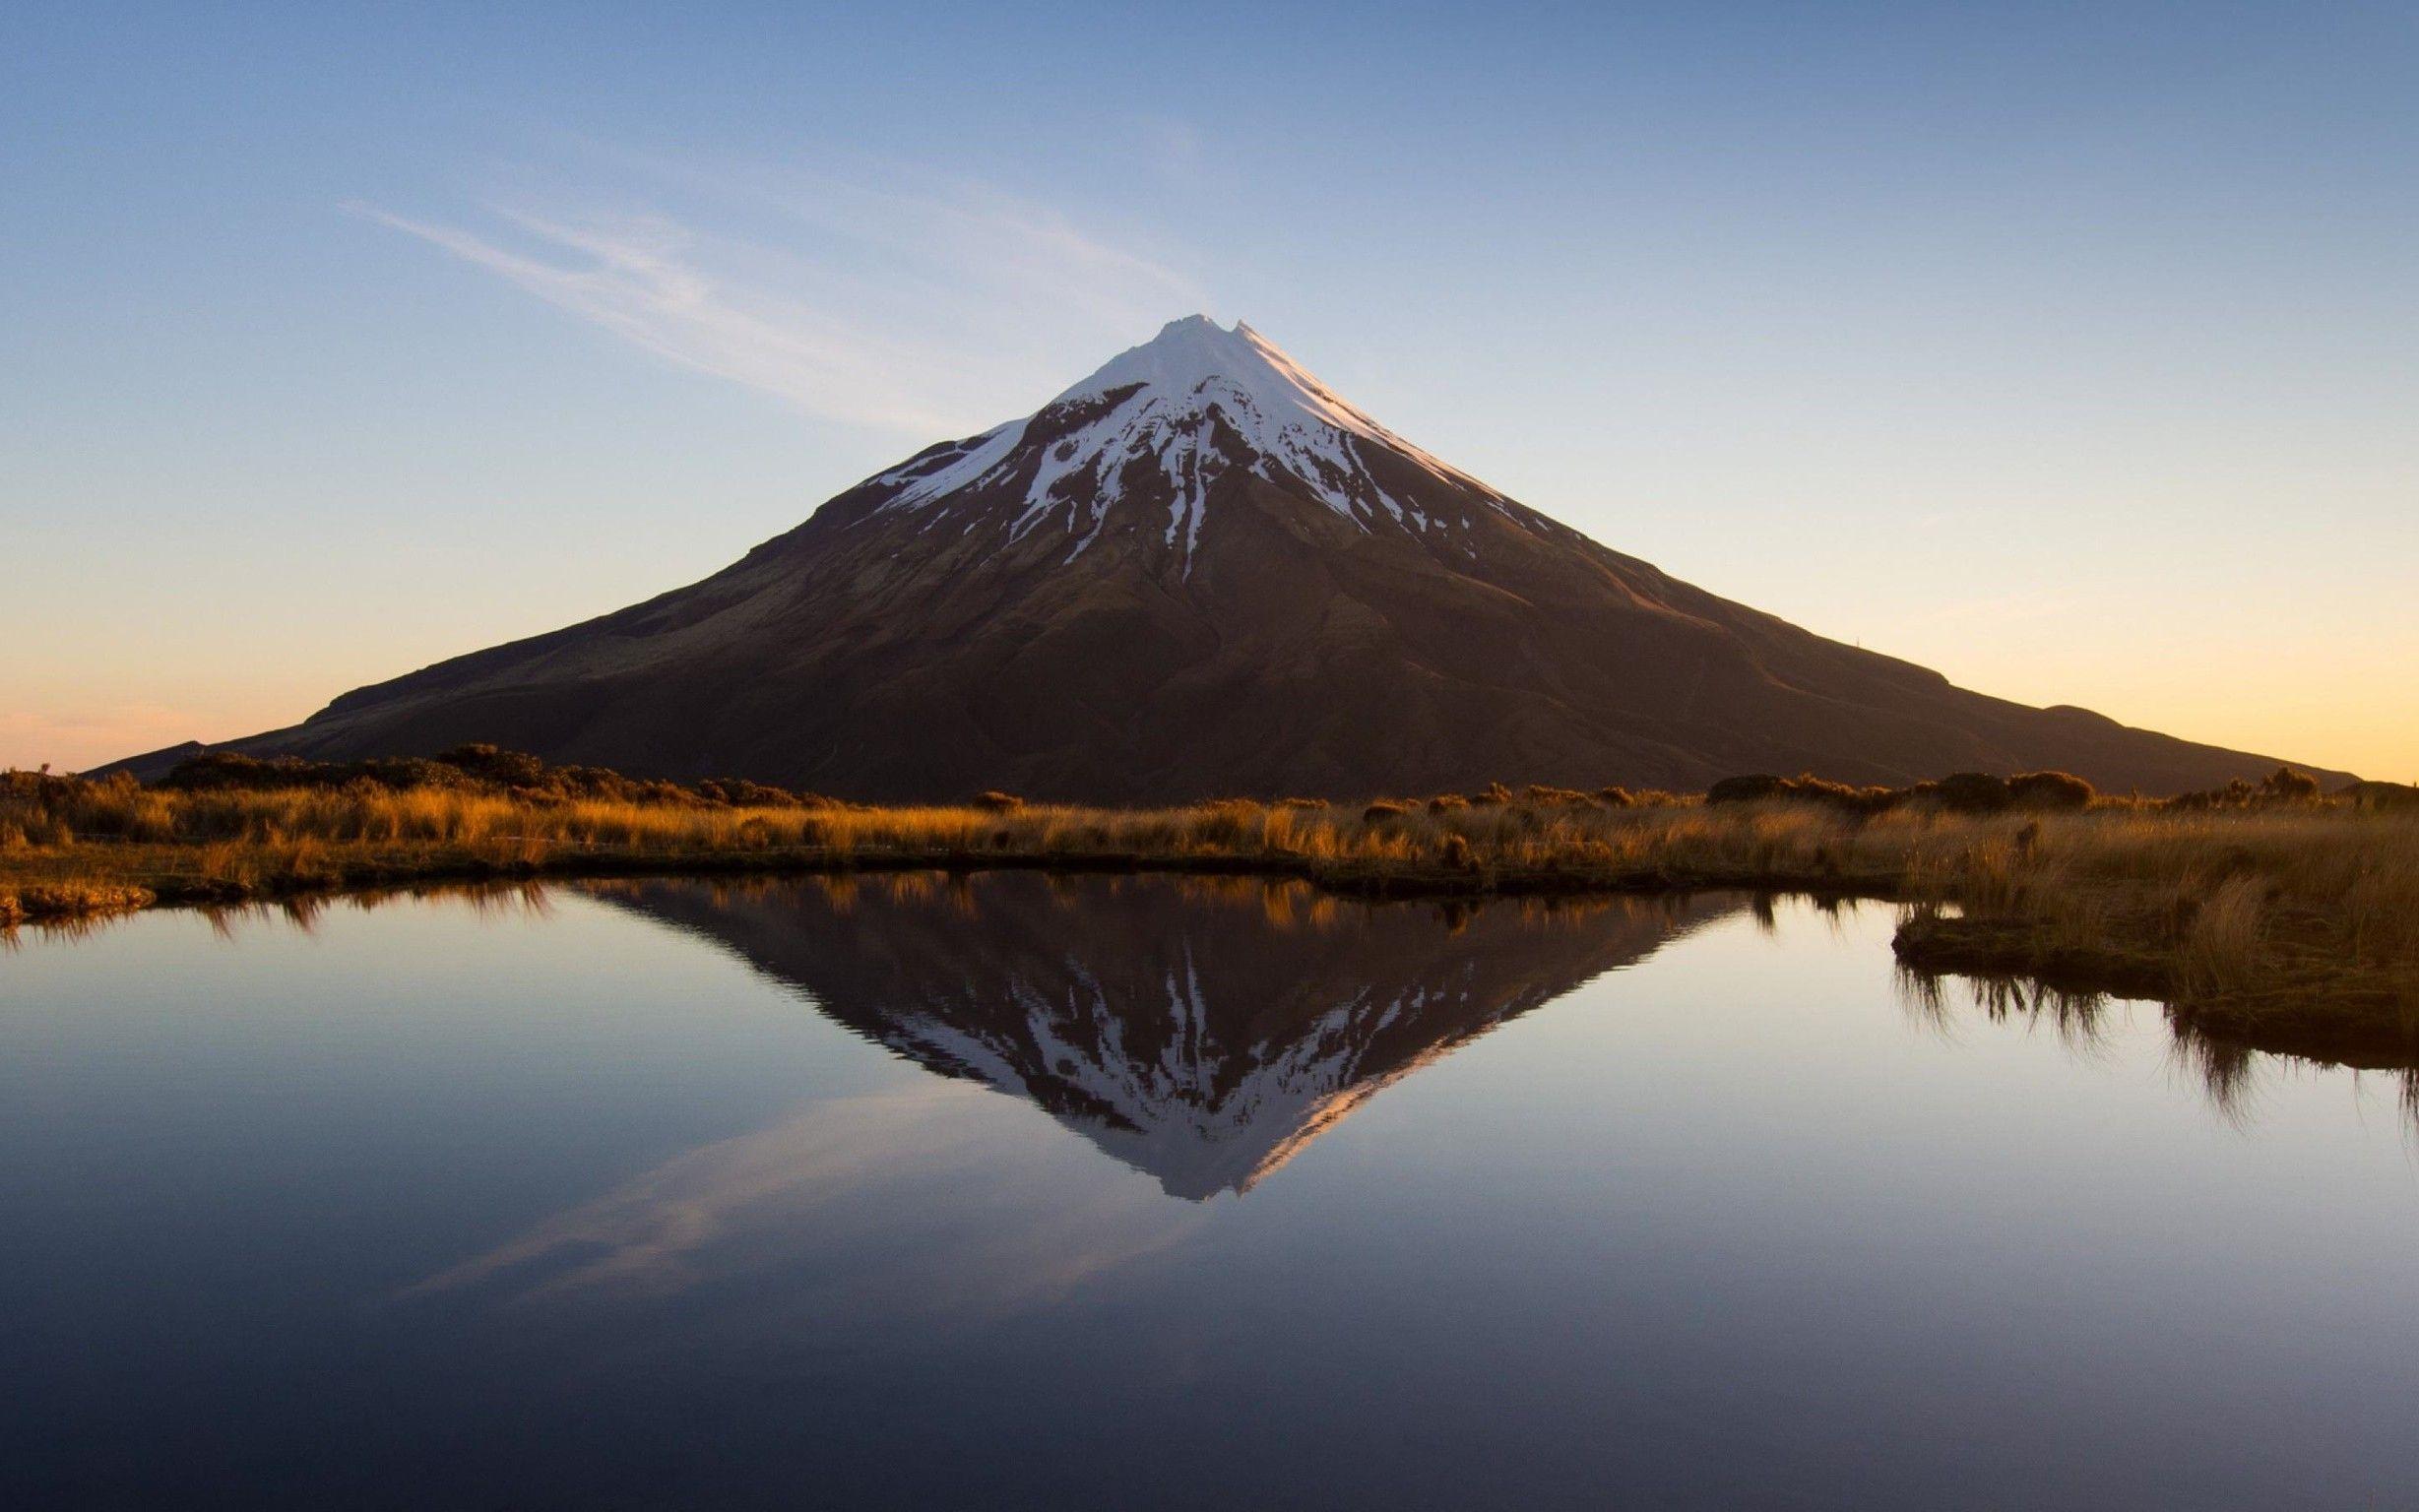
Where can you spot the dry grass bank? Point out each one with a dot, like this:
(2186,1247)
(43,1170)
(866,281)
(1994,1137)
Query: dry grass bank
(2298,917)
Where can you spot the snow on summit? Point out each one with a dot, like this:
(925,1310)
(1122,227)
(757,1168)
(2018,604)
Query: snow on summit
(1159,424)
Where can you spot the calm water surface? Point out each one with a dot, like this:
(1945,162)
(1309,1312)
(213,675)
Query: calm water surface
(1143,1194)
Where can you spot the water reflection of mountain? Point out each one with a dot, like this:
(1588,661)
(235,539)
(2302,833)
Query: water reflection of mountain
(1200,1030)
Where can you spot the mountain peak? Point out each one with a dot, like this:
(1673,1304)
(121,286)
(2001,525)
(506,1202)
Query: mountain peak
(1191,323)
(1158,424)
(1184,353)
(1248,369)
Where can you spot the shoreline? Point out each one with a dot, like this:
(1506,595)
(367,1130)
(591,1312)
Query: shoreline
(2294,998)
(103,890)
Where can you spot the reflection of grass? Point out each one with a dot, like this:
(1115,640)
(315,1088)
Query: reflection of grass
(68,898)
(2220,1054)
(2298,922)
(2300,914)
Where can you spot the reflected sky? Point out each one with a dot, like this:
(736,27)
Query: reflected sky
(871,1173)
(1135,1192)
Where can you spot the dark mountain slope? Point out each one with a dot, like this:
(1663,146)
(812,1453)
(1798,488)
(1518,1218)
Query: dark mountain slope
(1199,572)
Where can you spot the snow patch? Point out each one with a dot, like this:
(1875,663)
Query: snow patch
(1200,399)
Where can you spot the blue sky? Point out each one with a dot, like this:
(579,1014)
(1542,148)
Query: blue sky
(2072,349)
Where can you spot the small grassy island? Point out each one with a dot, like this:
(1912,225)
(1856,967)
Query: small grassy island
(2272,913)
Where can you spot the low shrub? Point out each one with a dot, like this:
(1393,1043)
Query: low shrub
(2286,785)
(1810,788)
(1806,787)
(1754,787)
(2049,789)
(1973,793)
(1540,792)
(739,793)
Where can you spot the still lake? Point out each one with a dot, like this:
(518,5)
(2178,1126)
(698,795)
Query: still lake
(1132,1193)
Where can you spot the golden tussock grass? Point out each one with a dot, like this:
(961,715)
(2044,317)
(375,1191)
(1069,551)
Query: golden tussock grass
(2253,910)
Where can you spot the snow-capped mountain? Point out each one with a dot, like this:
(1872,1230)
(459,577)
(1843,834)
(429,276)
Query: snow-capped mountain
(1188,1030)
(1154,431)
(1201,572)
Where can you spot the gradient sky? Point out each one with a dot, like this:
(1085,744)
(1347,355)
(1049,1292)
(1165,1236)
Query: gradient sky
(2072,349)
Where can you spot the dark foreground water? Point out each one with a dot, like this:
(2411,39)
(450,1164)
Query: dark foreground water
(1134,1194)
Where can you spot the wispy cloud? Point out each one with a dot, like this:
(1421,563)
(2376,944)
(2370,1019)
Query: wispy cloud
(878,1178)
(925,311)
